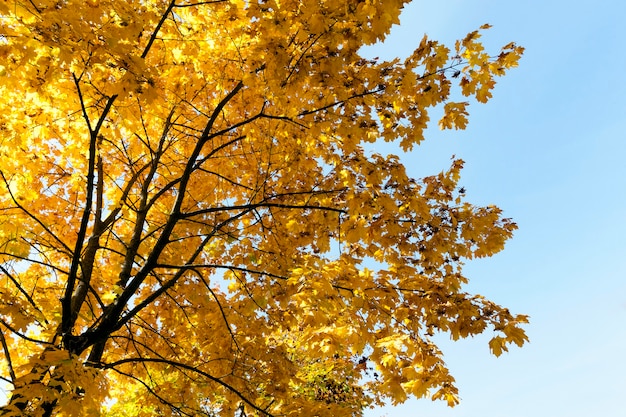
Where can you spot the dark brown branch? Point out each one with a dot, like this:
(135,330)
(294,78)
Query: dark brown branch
(151,391)
(254,206)
(217,266)
(111,319)
(306,192)
(82,101)
(35,6)
(218,175)
(235,126)
(219,305)
(144,205)
(217,149)
(95,355)
(302,55)
(377,90)
(99,194)
(69,304)
(156,30)
(7,355)
(23,291)
(34,247)
(22,335)
(284,118)
(192,369)
(32,216)
(157,293)
(216,112)
(200,3)
(197,166)
(125,192)
(108,325)
(341,102)
(118,306)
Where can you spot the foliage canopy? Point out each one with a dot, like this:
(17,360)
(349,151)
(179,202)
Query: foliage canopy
(189,222)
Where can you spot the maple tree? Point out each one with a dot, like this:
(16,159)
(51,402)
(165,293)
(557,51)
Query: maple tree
(191,224)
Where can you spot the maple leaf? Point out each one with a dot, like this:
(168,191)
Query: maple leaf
(188,215)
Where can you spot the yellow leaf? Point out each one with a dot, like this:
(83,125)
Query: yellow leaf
(190,205)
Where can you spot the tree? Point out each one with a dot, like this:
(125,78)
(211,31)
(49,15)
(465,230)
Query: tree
(191,223)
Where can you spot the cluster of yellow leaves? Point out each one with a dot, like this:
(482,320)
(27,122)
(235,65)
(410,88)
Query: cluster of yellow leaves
(189,222)
(53,376)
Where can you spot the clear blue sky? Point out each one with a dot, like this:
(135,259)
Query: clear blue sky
(549,149)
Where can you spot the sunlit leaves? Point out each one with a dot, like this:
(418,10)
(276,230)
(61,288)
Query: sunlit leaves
(455,116)
(190,222)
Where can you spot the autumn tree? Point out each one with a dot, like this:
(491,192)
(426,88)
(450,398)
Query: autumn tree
(191,223)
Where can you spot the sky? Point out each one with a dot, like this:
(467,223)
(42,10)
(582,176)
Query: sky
(548,149)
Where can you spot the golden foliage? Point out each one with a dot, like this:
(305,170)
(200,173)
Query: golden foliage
(190,223)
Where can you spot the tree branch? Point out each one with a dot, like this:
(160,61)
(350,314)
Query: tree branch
(23,291)
(110,318)
(144,206)
(151,391)
(192,369)
(219,305)
(217,266)
(7,355)
(156,30)
(172,281)
(218,109)
(200,3)
(22,335)
(253,206)
(32,216)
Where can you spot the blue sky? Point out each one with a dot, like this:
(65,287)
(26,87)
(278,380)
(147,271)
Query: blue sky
(549,149)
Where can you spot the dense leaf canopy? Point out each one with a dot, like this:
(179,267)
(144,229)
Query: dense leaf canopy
(190,222)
